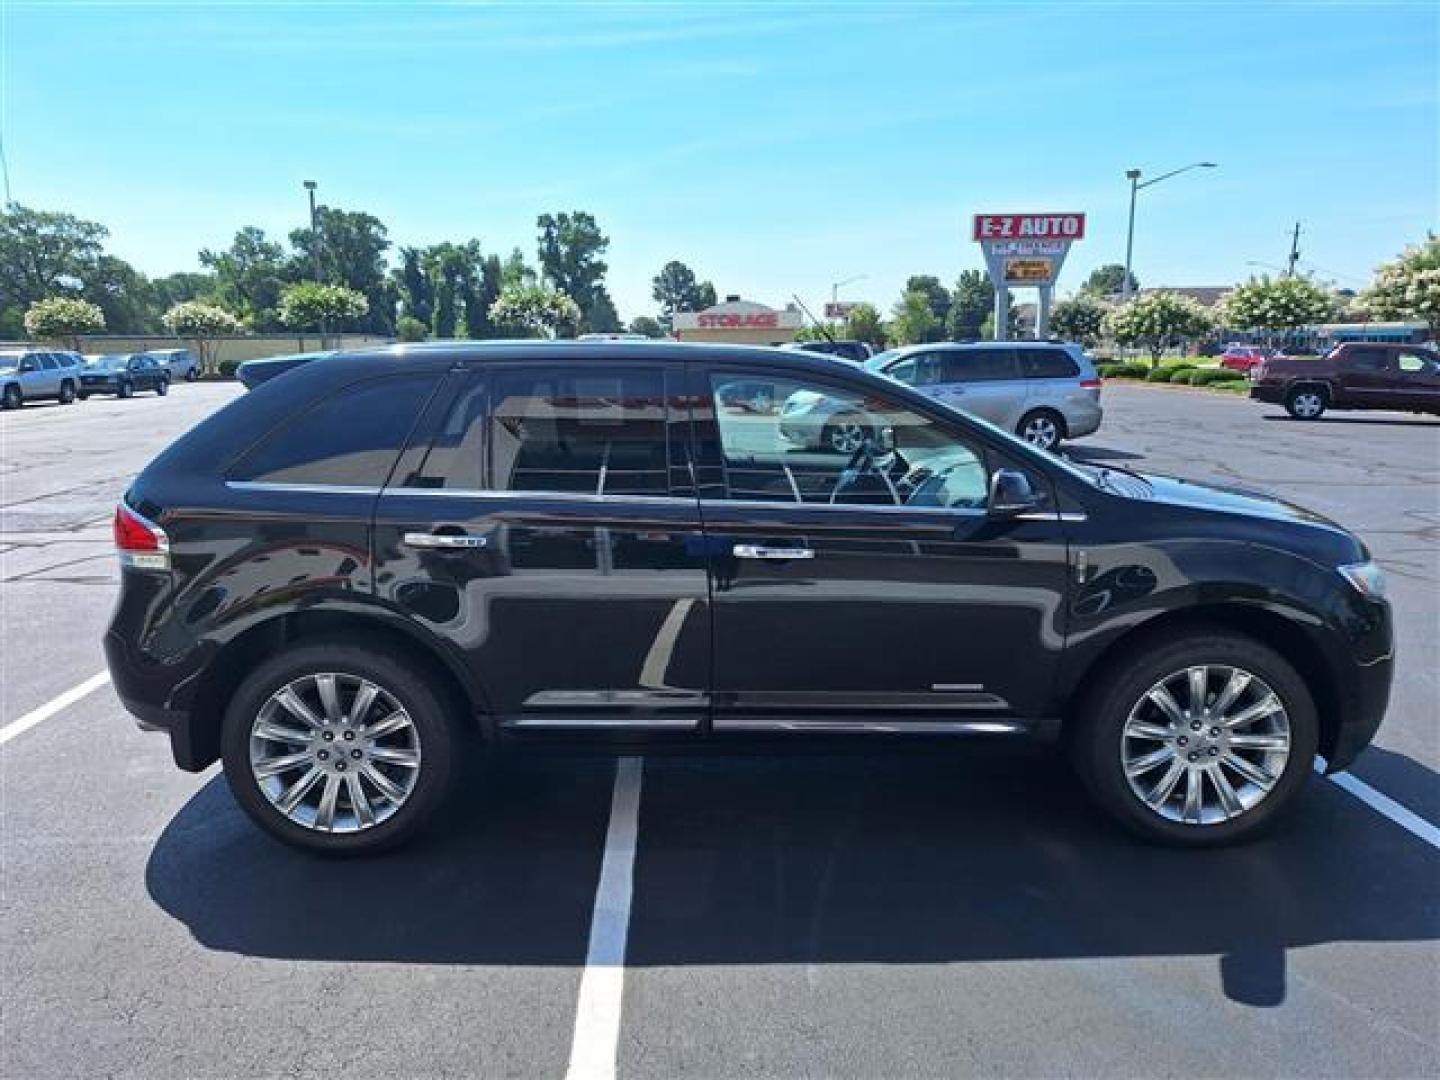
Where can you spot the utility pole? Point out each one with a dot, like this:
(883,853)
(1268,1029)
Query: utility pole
(1294,251)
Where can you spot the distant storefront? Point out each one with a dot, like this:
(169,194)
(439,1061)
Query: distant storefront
(740,322)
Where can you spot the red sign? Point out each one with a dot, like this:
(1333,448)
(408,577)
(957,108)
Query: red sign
(1029,227)
(766,319)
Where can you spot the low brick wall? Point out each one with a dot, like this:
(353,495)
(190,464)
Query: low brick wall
(240,347)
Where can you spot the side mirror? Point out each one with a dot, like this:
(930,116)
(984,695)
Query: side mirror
(27,366)
(1011,493)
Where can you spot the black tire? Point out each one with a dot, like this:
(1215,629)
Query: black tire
(162,387)
(436,727)
(1042,420)
(81,395)
(67,392)
(1307,402)
(125,390)
(839,434)
(1095,740)
(12,397)
(192,375)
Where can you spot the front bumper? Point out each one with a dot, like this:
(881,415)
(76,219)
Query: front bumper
(1362,681)
(1268,393)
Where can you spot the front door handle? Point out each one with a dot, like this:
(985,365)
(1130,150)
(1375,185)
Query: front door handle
(443,541)
(759,551)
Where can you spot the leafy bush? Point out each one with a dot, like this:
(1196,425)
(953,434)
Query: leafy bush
(409,328)
(1158,374)
(1123,371)
(227,368)
(63,319)
(1207,376)
(309,304)
(1179,373)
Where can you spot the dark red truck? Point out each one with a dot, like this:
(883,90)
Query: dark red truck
(1358,375)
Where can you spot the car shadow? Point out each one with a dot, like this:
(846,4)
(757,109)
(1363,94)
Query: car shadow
(993,854)
(1382,421)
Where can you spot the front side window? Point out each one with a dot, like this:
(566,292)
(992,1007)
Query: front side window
(1414,363)
(579,431)
(348,439)
(797,440)
(980,365)
(48,362)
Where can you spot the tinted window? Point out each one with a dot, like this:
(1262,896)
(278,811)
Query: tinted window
(1367,360)
(350,438)
(455,456)
(980,365)
(1414,362)
(48,362)
(1047,364)
(919,369)
(600,433)
(783,439)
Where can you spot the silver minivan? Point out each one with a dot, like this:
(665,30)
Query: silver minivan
(1044,391)
(33,374)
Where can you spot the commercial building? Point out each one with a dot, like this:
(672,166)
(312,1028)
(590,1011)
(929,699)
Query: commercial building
(739,322)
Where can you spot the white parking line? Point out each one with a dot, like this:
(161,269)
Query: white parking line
(602,985)
(53,706)
(1382,804)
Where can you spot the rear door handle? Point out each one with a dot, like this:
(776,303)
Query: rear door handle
(443,541)
(759,551)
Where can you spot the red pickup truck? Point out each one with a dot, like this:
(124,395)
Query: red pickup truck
(1356,375)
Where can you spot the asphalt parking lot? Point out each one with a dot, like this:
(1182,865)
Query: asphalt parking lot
(866,915)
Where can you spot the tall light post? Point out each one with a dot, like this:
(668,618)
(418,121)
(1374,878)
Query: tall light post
(835,288)
(315,250)
(1133,175)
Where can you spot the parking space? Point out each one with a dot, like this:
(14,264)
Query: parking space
(862,914)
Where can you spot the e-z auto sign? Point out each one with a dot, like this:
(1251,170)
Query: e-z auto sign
(1029,227)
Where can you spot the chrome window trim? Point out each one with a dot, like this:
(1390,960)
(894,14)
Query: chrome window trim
(280,487)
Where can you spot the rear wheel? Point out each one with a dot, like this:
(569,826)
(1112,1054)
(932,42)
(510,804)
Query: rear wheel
(339,748)
(1306,402)
(82,395)
(12,398)
(1201,739)
(1041,428)
(162,387)
(125,390)
(67,392)
(192,375)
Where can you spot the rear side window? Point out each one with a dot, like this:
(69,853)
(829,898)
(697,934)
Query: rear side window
(980,365)
(351,438)
(49,362)
(1048,364)
(1366,360)
(579,431)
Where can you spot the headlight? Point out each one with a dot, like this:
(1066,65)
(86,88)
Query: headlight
(1368,579)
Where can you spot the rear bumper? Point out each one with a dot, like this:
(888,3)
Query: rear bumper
(1083,420)
(193,744)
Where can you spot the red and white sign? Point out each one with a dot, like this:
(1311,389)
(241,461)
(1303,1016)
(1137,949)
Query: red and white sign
(709,320)
(1029,227)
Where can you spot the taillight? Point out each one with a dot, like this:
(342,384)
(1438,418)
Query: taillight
(140,543)
(1091,384)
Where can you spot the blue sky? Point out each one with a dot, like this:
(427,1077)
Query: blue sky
(776,148)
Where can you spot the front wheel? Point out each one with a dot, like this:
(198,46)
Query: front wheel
(1201,739)
(1306,402)
(12,398)
(162,387)
(1042,429)
(845,434)
(67,392)
(125,390)
(339,748)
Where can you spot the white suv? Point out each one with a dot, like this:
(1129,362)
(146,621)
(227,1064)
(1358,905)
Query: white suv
(32,374)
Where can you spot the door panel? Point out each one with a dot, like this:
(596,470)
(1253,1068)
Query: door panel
(846,598)
(586,607)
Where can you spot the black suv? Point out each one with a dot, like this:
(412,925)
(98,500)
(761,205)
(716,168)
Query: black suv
(342,579)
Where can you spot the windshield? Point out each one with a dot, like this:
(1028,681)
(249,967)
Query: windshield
(108,363)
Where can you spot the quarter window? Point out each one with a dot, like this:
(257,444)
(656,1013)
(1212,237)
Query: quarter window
(790,440)
(1367,360)
(600,433)
(349,439)
(1048,364)
(980,365)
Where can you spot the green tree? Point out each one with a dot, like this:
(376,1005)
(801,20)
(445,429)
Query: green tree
(1158,321)
(516,271)
(1108,280)
(1409,286)
(249,276)
(63,319)
(644,324)
(602,317)
(973,302)
(123,294)
(461,291)
(537,311)
(417,294)
(201,323)
(676,288)
(351,245)
(572,250)
(1081,318)
(1276,304)
(937,296)
(311,305)
(44,253)
(914,319)
(172,289)
(863,323)
(408,328)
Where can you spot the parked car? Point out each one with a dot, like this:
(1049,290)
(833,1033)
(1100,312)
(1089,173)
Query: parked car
(123,374)
(35,374)
(1043,391)
(181,363)
(1242,357)
(1358,375)
(857,352)
(340,581)
(254,372)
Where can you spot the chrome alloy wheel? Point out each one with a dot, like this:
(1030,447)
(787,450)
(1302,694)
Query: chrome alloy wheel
(847,436)
(1041,431)
(1307,404)
(1206,744)
(334,753)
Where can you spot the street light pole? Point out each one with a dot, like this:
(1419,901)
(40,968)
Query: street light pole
(835,288)
(1133,175)
(315,251)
